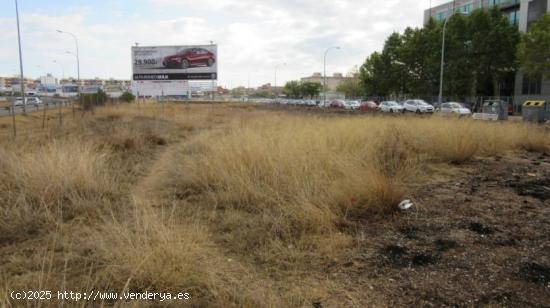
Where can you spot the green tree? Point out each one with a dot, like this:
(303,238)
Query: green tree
(310,89)
(352,87)
(261,94)
(458,65)
(293,89)
(479,57)
(237,92)
(493,50)
(534,49)
(371,75)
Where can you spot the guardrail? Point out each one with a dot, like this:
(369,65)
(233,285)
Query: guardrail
(7,111)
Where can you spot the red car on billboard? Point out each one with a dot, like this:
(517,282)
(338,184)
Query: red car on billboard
(191,57)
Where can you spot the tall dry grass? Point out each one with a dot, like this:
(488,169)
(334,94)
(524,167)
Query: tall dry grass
(210,200)
(280,181)
(51,184)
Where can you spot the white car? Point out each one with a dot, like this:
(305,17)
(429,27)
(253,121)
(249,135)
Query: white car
(34,101)
(19,101)
(455,108)
(352,105)
(418,106)
(391,106)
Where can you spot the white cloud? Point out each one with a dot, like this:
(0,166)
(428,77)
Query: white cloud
(253,36)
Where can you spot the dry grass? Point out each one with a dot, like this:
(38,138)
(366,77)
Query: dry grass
(206,200)
(53,183)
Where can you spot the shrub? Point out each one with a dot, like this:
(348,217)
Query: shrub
(127,97)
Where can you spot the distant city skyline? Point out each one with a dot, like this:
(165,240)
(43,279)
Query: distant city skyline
(252,36)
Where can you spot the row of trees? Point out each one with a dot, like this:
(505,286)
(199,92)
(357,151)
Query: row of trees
(302,89)
(480,58)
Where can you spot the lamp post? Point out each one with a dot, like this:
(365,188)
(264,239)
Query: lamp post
(77,61)
(275,87)
(440,100)
(78,85)
(62,74)
(62,68)
(76,57)
(443,57)
(20,68)
(325,73)
(77,54)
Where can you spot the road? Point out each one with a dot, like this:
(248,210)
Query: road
(49,101)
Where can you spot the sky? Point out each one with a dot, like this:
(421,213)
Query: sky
(253,36)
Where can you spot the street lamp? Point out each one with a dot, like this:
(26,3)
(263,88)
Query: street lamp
(443,58)
(77,56)
(62,74)
(275,87)
(20,67)
(62,69)
(40,77)
(74,55)
(440,100)
(325,73)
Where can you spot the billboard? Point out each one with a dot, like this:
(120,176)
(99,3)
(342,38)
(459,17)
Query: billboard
(197,62)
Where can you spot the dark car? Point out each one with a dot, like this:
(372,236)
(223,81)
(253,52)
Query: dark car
(190,58)
(368,106)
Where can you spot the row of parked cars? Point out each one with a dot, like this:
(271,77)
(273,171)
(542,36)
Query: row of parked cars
(411,105)
(31,100)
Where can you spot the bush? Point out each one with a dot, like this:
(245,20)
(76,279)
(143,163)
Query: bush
(88,101)
(127,97)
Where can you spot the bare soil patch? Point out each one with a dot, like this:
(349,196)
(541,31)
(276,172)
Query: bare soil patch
(481,239)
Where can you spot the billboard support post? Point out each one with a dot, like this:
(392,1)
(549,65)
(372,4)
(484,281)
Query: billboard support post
(162,101)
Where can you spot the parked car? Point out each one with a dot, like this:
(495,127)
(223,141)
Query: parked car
(190,57)
(337,103)
(455,108)
(19,101)
(418,106)
(391,106)
(34,101)
(369,106)
(352,105)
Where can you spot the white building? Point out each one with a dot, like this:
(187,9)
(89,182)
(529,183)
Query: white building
(48,80)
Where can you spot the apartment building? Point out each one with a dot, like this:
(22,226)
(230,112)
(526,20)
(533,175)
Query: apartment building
(510,8)
(332,82)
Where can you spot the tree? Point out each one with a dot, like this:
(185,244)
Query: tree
(261,94)
(310,89)
(534,49)
(493,50)
(458,65)
(237,92)
(479,58)
(293,89)
(352,87)
(371,75)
